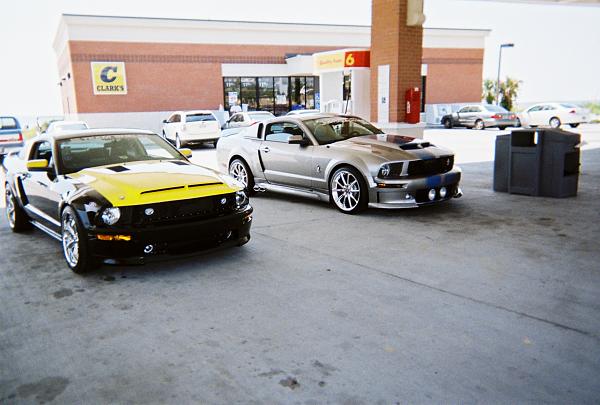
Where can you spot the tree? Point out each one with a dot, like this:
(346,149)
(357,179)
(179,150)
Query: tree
(508,92)
(489,91)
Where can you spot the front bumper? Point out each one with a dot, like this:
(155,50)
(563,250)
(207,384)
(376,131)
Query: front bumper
(412,193)
(182,238)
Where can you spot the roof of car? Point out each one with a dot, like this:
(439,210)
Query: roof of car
(97,132)
(194,112)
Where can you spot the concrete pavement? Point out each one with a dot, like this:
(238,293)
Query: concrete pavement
(492,298)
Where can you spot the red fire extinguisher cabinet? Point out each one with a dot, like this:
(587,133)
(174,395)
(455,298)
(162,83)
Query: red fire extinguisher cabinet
(413,105)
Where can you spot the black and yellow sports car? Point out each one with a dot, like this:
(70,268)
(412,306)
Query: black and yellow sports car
(121,194)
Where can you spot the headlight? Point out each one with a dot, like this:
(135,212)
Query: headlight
(241,199)
(110,216)
(385,170)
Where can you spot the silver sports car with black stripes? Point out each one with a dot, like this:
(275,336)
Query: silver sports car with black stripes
(341,159)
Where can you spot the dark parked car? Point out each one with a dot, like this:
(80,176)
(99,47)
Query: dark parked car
(11,136)
(481,116)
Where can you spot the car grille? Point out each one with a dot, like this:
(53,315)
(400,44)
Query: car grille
(174,212)
(431,166)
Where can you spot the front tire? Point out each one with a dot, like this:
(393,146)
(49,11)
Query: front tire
(348,191)
(501,128)
(555,122)
(479,125)
(574,125)
(239,170)
(18,221)
(447,123)
(177,141)
(74,242)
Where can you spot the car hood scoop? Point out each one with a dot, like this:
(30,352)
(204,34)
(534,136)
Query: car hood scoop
(153,182)
(393,147)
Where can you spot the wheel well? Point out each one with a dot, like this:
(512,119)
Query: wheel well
(238,157)
(339,166)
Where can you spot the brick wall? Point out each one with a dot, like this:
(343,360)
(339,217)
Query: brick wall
(454,75)
(166,77)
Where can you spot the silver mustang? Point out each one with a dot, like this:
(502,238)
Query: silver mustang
(341,159)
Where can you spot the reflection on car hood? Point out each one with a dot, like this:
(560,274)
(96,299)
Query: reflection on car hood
(154,182)
(392,147)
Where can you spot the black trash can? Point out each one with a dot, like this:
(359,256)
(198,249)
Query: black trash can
(542,162)
(560,163)
(501,161)
(525,162)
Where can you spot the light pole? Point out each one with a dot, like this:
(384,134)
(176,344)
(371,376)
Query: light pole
(499,63)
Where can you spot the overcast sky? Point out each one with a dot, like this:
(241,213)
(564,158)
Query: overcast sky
(556,54)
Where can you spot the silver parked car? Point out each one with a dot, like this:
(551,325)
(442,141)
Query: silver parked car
(341,159)
(481,116)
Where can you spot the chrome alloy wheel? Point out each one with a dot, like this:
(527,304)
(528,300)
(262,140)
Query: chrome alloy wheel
(70,239)
(238,172)
(10,208)
(345,190)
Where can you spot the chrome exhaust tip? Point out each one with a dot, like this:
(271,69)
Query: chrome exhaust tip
(259,189)
(458,193)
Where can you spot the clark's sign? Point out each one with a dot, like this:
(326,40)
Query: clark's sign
(342,60)
(109,78)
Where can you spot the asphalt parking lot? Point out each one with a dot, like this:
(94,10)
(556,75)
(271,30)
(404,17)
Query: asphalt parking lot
(491,298)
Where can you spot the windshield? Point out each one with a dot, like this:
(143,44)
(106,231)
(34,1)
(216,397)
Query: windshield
(70,127)
(495,108)
(334,129)
(261,116)
(76,154)
(199,117)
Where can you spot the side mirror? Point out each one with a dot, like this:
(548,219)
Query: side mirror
(37,165)
(165,121)
(187,152)
(298,140)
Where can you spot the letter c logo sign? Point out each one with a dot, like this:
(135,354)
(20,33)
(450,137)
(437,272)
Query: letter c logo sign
(105,72)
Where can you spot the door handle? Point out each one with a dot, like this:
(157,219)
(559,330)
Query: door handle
(41,183)
(266,149)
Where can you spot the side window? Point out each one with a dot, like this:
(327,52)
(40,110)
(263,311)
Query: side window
(42,150)
(175,118)
(281,131)
(464,109)
(237,118)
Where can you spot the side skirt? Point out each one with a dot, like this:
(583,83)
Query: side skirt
(314,194)
(46,230)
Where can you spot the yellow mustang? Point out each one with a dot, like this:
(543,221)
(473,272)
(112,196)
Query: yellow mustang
(121,194)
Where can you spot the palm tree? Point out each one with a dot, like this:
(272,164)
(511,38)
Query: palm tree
(489,91)
(508,91)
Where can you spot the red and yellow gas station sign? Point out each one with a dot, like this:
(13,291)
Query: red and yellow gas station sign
(342,60)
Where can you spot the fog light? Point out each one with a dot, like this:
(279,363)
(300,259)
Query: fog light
(431,194)
(408,196)
(443,192)
(148,249)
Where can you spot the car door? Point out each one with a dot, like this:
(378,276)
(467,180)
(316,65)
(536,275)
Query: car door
(40,187)
(535,115)
(465,116)
(284,163)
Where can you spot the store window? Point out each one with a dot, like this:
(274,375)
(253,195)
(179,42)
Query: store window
(298,92)
(278,95)
(282,95)
(248,93)
(266,100)
(231,85)
(310,93)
